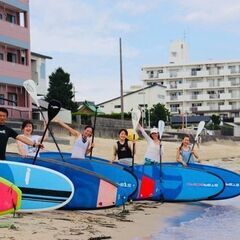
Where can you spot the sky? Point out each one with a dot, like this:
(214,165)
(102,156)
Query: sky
(82,37)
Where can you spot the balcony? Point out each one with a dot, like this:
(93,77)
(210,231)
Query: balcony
(225,96)
(224,72)
(225,107)
(183,86)
(203,108)
(225,84)
(14,32)
(202,73)
(14,70)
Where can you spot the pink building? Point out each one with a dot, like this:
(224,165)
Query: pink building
(15,62)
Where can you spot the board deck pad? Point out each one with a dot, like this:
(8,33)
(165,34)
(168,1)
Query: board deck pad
(10,197)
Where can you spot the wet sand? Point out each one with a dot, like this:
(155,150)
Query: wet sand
(139,219)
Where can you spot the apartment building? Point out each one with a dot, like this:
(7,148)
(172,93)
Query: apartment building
(206,88)
(15,61)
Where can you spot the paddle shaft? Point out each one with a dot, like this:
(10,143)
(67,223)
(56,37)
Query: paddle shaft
(190,155)
(45,131)
(133,153)
(94,125)
(51,133)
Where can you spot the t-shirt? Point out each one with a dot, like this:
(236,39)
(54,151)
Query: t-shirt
(5,133)
(30,150)
(80,147)
(153,149)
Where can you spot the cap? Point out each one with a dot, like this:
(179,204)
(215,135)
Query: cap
(154,130)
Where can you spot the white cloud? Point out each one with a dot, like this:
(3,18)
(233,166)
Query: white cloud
(136,7)
(210,12)
(77,27)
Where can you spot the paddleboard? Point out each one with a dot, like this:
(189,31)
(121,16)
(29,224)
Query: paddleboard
(176,184)
(92,191)
(231,180)
(10,197)
(137,185)
(42,188)
(122,177)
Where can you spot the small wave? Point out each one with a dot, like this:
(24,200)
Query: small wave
(217,222)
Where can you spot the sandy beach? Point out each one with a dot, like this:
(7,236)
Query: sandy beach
(138,221)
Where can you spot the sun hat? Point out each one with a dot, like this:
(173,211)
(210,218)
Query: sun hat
(153,130)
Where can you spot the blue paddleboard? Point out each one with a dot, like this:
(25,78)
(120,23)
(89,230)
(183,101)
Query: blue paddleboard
(122,177)
(42,188)
(137,185)
(231,180)
(92,191)
(176,184)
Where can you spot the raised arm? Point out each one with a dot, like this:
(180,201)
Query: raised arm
(71,130)
(145,135)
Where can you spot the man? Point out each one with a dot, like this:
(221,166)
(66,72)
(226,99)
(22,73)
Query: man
(6,132)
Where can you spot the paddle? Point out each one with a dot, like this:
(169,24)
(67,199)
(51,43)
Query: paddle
(94,125)
(136,115)
(199,130)
(161,126)
(30,87)
(54,107)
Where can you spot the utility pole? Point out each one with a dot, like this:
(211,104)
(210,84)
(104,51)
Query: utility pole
(121,81)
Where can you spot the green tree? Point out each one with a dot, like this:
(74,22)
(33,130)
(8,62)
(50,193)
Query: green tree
(158,112)
(61,89)
(216,121)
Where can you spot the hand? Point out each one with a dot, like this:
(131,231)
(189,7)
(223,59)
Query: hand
(39,145)
(184,164)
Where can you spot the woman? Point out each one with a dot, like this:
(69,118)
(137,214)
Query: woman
(27,130)
(82,146)
(152,154)
(122,149)
(185,153)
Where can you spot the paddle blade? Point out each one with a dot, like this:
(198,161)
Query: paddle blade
(54,107)
(161,126)
(136,115)
(30,87)
(200,128)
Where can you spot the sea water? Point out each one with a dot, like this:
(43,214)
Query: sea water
(218,220)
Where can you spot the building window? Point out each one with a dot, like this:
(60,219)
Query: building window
(232,69)
(117,106)
(194,71)
(23,57)
(11,57)
(11,18)
(174,107)
(1,56)
(12,97)
(1,99)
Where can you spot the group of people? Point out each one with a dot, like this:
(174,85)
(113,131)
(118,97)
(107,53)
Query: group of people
(28,143)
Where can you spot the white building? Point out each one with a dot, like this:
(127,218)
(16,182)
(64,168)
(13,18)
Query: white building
(144,97)
(206,88)
(38,66)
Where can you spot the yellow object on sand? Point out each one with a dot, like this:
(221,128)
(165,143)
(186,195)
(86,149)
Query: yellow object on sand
(131,133)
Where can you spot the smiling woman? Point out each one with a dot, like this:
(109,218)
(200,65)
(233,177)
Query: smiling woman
(27,129)
(82,145)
